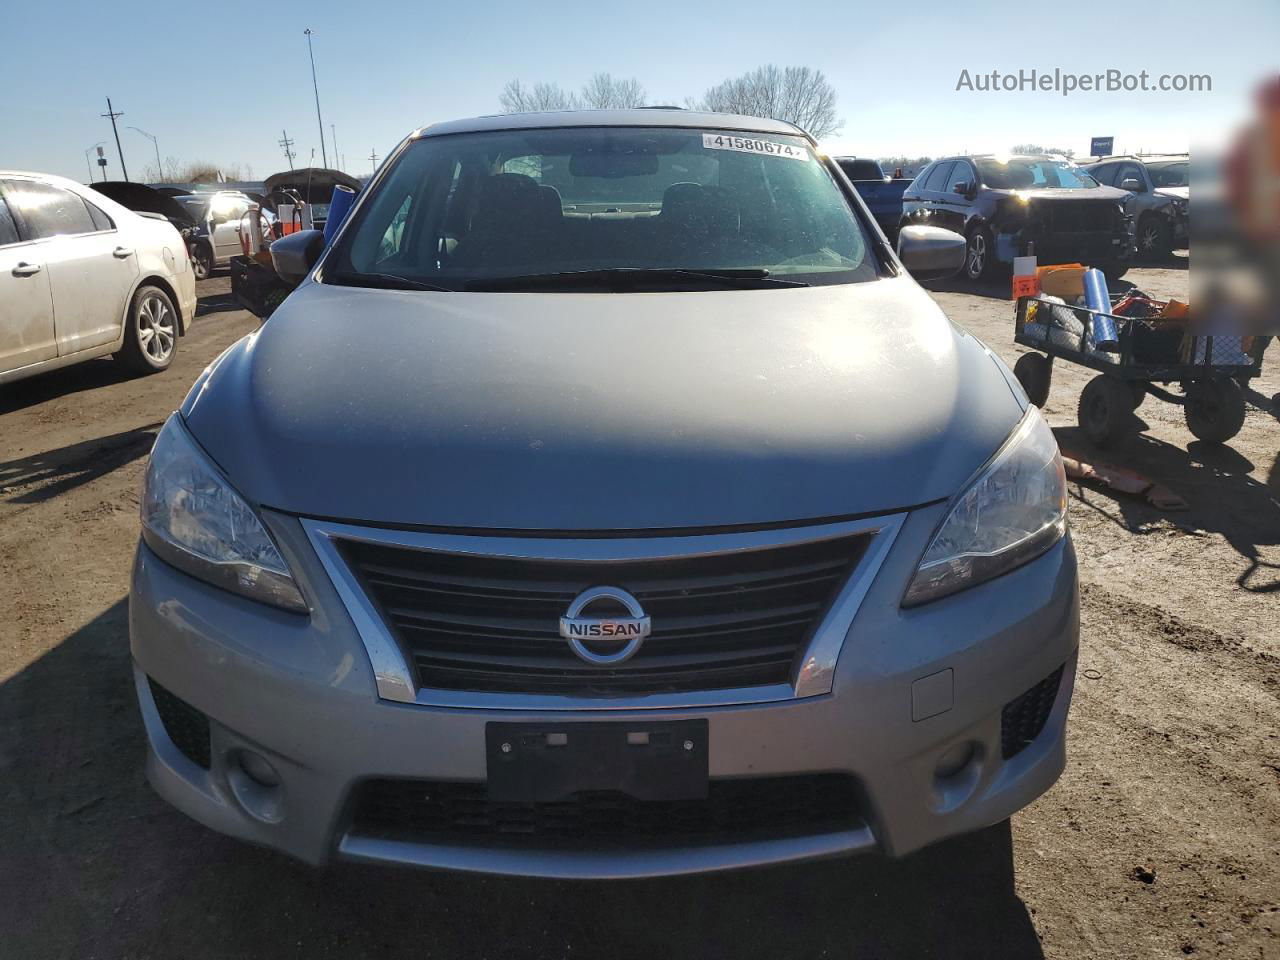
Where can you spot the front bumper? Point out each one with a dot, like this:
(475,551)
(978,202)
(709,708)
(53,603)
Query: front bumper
(300,693)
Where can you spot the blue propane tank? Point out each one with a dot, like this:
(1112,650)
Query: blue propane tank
(1102,329)
(339,207)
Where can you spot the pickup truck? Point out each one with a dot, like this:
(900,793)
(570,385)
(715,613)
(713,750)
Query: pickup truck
(881,193)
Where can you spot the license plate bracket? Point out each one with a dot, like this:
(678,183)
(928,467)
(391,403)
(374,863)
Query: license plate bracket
(543,762)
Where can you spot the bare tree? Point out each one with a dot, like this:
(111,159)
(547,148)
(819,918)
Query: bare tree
(517,98)
(606,92)
(799,95)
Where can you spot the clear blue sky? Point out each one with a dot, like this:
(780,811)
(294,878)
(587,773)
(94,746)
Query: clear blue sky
(219,81)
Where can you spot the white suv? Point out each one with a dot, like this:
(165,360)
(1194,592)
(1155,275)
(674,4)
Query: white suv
(82,277)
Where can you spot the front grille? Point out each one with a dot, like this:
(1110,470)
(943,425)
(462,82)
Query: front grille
(1024,717)
(1079,217)
(734,810)
(186,726)
(724,621)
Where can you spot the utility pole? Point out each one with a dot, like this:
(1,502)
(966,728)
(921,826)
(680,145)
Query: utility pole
(314,86)
(336,161)
(119,150)
(286,143)
(156,144)
(373,159)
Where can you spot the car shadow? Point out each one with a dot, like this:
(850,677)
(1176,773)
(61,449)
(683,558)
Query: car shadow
(97,865)
(43,476)
(1216,481)
(216,303)
(89,375)
(991,289)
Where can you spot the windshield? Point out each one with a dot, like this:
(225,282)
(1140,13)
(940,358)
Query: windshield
(475,207)
(861,169)
(1033,173)
(1169,174)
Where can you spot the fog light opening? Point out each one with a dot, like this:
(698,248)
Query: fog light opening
(258,769)
(955,760)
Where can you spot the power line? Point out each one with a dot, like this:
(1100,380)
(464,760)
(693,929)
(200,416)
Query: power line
(119,150)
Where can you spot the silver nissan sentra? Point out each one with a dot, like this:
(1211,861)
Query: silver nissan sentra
(607,500)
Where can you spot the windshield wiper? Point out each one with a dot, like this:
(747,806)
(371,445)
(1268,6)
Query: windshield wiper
(617,279)
(384,281)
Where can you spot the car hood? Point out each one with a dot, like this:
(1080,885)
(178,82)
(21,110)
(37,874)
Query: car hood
(1182,193)
(577,411)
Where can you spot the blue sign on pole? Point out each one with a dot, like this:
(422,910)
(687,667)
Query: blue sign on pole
(1101,146)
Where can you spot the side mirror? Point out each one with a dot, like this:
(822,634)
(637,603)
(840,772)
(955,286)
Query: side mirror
(931,253)
(294,254)
(1133,185)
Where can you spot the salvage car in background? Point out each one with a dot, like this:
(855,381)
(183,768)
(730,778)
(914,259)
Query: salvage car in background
(219,216)
(149,201)
(1161,193)
(309,185)
(881,193)
(607,501)
(1003,204)
(82,276)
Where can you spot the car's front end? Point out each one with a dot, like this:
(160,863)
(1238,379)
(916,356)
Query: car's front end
(592,584)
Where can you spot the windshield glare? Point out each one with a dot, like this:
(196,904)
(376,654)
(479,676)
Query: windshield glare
(1033,173)
(515,203)
(1169,174)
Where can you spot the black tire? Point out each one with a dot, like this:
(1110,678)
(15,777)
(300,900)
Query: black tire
(1214,409)
(1155,238)
(201,261)
(1035,372)
(151,334)
(1105,413)
(980,261)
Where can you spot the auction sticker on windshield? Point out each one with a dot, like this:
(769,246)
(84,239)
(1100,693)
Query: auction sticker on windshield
(724,141)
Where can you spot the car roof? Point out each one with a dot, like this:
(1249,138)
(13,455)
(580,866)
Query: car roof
(657,117)
(1144,158)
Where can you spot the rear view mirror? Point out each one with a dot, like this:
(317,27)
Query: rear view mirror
(1133,185)
(931,253)
(295,254)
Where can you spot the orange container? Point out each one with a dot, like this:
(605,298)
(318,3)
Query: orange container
(1065,280)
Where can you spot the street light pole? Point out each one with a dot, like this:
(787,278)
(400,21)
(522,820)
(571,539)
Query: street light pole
(156,143)
(336,161)
(314,86)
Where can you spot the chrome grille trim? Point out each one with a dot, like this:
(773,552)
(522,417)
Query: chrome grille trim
(395,676)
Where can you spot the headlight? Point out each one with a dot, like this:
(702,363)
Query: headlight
(194,519)
(1011,513)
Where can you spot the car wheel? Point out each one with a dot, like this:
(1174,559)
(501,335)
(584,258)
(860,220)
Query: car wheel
(1214,409)
(980,257)
(1155,238)
(151,337)
(1035,372)
(1105,413)
(201,261)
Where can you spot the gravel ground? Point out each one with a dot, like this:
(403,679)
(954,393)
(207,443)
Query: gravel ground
(1162,839)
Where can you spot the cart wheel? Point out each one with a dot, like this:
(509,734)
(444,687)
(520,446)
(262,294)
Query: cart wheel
(1139,392)
(1214,409)
(1034,371)
(1106,410)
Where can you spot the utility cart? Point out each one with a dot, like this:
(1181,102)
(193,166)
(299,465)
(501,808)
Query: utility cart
(1152,355)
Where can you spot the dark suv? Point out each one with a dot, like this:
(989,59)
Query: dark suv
(1003,205)
(1160,193)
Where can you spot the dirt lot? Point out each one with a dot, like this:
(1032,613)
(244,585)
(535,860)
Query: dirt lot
(1162,839)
